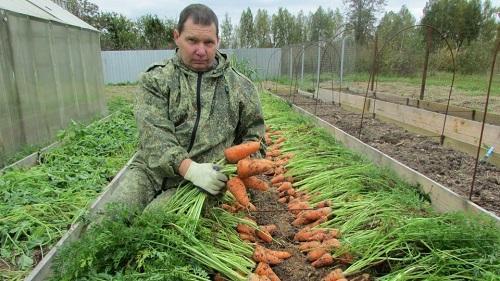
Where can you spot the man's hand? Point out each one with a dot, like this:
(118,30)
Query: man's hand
(205,176)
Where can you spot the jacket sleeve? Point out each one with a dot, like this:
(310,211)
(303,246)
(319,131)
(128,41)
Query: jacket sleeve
(251,124)
(157,141)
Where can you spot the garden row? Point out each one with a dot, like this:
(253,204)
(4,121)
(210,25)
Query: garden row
(317,206)
(39,204)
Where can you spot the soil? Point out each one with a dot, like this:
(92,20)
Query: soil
(449,167)
(473,100)
(296,268)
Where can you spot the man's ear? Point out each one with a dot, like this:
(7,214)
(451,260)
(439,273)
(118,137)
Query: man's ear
(176,34)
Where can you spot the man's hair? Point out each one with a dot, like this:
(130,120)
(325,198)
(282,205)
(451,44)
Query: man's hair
(200,14)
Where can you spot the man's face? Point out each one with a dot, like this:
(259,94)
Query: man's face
(197,45)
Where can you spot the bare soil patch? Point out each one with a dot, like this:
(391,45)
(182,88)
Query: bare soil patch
(449,167)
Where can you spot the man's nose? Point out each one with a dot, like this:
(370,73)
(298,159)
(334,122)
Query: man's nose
(200,50)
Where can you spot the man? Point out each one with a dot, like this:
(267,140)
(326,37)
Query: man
(189,109)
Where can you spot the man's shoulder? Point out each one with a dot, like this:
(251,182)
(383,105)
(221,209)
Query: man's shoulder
(162,70)
(239,77)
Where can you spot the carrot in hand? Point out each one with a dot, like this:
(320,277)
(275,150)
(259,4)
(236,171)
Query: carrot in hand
(236,153)
(236,186)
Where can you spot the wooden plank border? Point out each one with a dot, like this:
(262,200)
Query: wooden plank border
(442,198)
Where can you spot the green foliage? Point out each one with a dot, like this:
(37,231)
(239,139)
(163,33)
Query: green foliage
(246,30)
(458,20)
(227,32)
(154,33)
(243,66)
(361,17)
(262,29)
(325,24)
(118,32)
(281,23)
(38,204)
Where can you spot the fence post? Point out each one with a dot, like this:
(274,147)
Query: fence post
(291,63)
(302,68)
(342,64)
(426,62)
(318,68)
(375,51)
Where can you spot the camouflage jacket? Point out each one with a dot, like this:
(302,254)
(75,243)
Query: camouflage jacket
(184,114)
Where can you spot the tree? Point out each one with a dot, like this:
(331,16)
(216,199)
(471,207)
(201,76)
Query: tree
(83,9)
(324,24)
(247,33)
(155,33)
(281,23)
(118,32)
(227,32)
(361,17)
(262,29)
(458,20)
(393,22)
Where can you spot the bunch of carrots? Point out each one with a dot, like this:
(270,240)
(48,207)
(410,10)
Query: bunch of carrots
(317,243)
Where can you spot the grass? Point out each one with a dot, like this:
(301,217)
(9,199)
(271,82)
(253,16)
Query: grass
(470,84)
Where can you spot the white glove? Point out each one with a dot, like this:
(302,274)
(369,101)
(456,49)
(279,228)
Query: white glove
(206,176)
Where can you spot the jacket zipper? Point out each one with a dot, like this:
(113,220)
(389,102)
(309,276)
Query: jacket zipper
(198,111)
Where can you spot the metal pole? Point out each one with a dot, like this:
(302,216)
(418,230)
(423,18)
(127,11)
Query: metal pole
(426,62)
(342,64)
(318,68)
(375,51)
(302,69)
(291,62)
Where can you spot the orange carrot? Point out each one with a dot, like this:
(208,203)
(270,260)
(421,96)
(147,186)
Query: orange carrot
(280,140)
(271,228)
(309,235)
(333,233)
(255,277)
(288,192)
(268,140)
(251,167)
(276,133)
(334,275)
(315,254)
(318,222)
(236,153)
(279,170)
(284,186)
(330,244)
(324,260)
(262,254)
(218,277)
(229,208)
(264,235)
(247,237)
(307,246)
(256,183)
(279,254)
(251,207)
(236,186)
(283,199)
(243,228)
(273,153)
(278,179)
(264,269)
(324,203)
(346,258)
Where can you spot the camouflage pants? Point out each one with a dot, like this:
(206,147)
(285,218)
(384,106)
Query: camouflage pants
(140,189)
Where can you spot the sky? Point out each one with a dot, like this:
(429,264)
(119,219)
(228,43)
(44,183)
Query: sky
(171,8)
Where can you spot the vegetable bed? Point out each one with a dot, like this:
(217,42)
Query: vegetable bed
(331,215)
(39,204)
